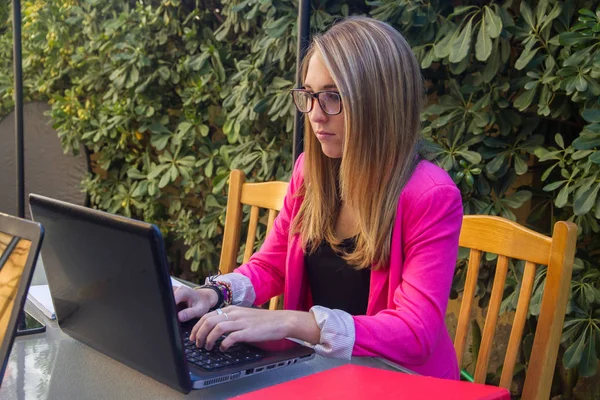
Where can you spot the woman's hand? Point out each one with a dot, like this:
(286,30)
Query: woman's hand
(198,302)
(253,325)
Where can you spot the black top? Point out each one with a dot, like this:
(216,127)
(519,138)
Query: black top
(334,283)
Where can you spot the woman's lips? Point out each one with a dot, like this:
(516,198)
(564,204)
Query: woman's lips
(324,135)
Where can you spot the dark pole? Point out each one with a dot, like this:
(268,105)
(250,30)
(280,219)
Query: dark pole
(303,42)
(18,73)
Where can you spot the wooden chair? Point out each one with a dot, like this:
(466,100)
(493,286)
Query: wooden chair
(268,195)
(511,240)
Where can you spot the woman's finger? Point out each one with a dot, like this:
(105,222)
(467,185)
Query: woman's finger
(199,324)
(181,294)
(220,329)
(206,327)
(233,338)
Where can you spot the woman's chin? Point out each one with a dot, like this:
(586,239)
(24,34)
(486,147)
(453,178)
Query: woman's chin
(331,151)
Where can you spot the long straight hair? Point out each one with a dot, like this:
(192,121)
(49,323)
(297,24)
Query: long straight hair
(381,87)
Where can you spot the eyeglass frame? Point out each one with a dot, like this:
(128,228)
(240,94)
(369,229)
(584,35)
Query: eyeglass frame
(315,96)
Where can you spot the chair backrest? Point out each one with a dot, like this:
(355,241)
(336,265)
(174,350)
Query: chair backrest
(511,240)
(267,195)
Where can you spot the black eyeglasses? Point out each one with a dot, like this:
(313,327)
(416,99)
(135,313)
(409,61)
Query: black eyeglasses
(330,102)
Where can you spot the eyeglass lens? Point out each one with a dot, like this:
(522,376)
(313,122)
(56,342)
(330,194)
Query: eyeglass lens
(330,101)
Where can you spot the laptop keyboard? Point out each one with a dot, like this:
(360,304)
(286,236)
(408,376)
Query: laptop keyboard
(215,359)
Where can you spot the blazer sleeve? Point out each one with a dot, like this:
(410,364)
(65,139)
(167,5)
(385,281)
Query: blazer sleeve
(407,332)
(266,268)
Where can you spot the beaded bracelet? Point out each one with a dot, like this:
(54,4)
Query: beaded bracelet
(219,302)
(223,290)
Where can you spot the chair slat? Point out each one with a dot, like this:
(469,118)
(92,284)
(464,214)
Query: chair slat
(252,224)
(233,223)
(276,303)
(491,320)
(540,370)
(500,236)
(516,333)
(264,195)
(464,317)
(272,215)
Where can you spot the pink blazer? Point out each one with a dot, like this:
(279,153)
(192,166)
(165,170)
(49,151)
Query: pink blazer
(408,299)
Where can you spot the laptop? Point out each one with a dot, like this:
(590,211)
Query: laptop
(20,242)
(109,281)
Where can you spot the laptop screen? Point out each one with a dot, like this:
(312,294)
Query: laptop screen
(14,252)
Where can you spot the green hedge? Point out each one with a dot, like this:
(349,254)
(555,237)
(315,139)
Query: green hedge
(172,95)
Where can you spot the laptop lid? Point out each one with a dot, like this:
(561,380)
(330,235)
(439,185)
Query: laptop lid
(111,289)
(109,281)
(20,242)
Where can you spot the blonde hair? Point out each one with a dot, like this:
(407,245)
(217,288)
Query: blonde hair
(381,87)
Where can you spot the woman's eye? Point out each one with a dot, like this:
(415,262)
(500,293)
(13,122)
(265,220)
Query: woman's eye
(331,97)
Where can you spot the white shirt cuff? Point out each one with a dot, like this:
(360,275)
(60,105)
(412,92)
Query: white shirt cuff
(337,332)
(242,290)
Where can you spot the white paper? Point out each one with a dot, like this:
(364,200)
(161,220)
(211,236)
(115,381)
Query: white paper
(39,295)
(175,283)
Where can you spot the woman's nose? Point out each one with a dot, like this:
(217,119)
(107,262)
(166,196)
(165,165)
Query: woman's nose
(317,114)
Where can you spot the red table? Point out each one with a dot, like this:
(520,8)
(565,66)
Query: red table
(357,382)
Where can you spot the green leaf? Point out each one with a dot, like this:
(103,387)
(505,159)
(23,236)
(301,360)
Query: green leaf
(591,115)
(589,361)
(460,10)
(164,73)
(494,23)
(573,354)
(540,9)
(559,140)
(184,127)
(160,141)
(278,27)
(428,59)
(133,173)
(570,38)
(520,165)
(158,128)
(164,180)
(462,44)
(581,84)
(595,157)
(525,99)
(197,62)
(577,58)
(517,199)
(584,203)
(570,328)
(527,15)
(553,186)
(471,156)
(587,141)
(525,57)
(204,130)
(157,170)
(492,65)
(483,47)
(563,197)
(554,13)
(579,154)
(442,48)
(495,165)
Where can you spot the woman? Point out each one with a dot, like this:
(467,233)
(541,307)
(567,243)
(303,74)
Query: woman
(365,246)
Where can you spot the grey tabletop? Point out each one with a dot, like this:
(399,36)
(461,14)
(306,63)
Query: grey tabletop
(52,365)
